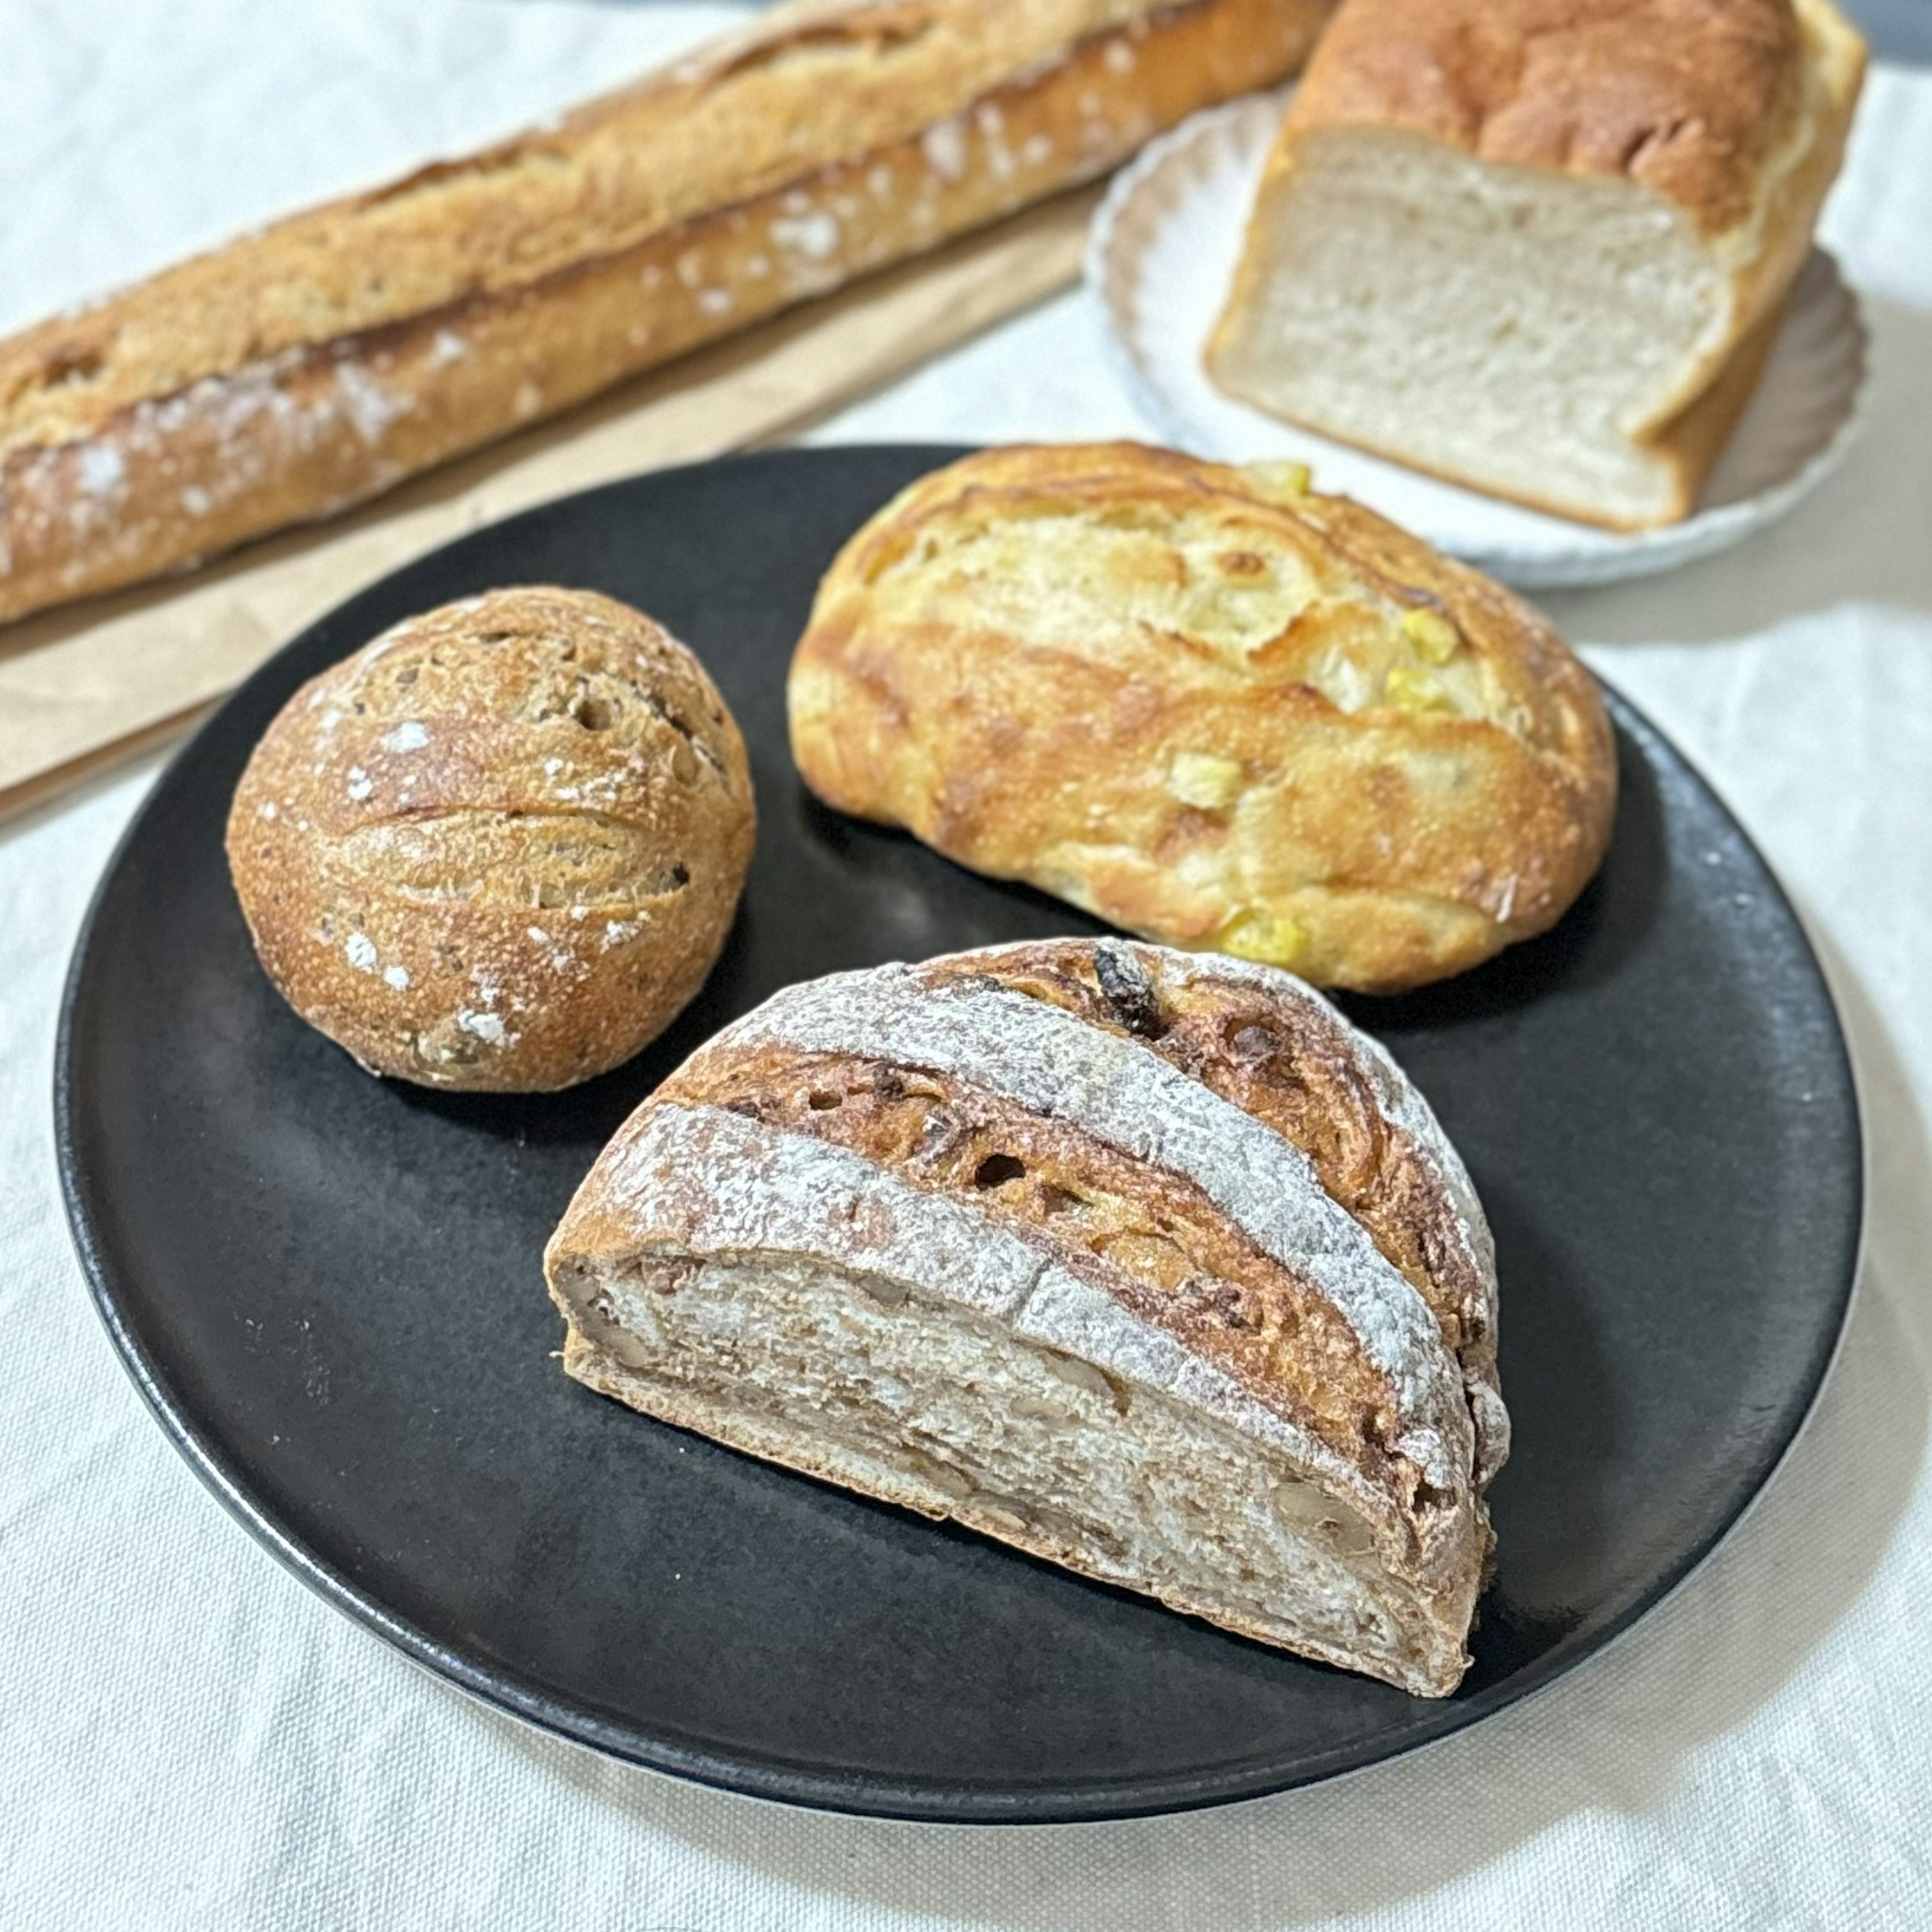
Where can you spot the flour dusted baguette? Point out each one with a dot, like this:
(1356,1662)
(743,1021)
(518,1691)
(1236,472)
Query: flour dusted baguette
(1541,247)
(1145,1262)
(318,362)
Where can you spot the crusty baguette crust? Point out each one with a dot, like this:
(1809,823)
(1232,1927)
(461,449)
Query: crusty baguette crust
(316,364)
(1360,843)
(499,847)
(1050,1113)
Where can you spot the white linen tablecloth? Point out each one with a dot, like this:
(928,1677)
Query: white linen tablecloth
(188,1738)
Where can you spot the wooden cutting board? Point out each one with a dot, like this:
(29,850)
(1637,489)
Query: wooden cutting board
(83,688)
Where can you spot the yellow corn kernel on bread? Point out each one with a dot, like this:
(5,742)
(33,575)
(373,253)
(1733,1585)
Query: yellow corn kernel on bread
(321,360)
(1151,1264)
(1211,706)
(1541,247)
(500,846)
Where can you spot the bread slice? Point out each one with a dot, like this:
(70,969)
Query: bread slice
(1539,248)
(1145,1262)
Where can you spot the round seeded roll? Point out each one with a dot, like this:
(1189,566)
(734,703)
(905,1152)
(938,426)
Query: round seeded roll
(500,846)
(1211,706)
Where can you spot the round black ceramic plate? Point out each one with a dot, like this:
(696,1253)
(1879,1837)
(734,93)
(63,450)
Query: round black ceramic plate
(328,1287)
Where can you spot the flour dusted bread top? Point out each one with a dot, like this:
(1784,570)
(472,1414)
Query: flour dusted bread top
(323,359)
(1188,1180)
(806,83)
(500,846)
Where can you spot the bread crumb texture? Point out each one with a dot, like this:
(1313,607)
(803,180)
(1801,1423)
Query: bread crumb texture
(500,846)
(1538,246)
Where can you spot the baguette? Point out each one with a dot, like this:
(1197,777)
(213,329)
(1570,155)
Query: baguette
(318,362)
(1147,1264)
(1540,247)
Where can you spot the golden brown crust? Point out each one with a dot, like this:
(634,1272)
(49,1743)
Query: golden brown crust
(1728,120)
(500,846)
(321,360)
(1221,713)
(1691,98)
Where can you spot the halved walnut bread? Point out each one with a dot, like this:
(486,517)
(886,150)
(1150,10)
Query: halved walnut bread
(1216,707)
(1144,1261)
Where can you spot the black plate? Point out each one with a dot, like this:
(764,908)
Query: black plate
(328,1288)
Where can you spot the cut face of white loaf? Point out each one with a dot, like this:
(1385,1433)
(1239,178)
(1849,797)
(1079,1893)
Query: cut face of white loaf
(1026,1238)
(1517,328)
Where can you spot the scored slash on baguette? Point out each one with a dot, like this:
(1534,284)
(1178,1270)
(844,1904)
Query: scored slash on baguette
(1146,1263)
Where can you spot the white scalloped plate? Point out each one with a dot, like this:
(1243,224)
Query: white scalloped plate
(1160,260)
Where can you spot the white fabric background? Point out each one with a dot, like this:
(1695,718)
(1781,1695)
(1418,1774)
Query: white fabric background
(189,1739)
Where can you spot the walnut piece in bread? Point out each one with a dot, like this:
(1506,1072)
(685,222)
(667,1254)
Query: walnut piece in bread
(1209,705)
(500,846)
(1145,1262)
(1541,247)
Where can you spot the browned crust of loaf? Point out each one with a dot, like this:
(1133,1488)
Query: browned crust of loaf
(996,749)
(1149,1239)
(611,1223)
(597,1369)
(1737,112)
(1691,98)
(246,411)
(534,806)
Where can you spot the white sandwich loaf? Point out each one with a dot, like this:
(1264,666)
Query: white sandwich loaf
(1541,247)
